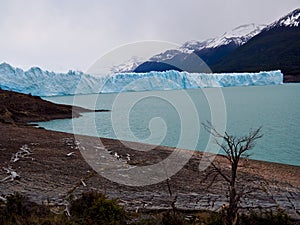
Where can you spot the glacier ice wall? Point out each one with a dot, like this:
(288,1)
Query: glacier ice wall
(44,83)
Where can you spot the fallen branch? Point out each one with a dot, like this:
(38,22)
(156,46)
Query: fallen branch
(70,154)
(81,182)
(23,152)
(67,211)
(12,175)
(3,199)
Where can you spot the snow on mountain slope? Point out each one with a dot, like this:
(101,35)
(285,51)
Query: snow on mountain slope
(239,35)
(290,20)
(127,66)
(44,83)
(169,54)
(195,45)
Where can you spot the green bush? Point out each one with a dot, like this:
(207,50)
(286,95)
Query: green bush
(19,210)
(165,218)
(208,218)
(263,217)
(91,208)
(171,218)
(95,208)
(148,220)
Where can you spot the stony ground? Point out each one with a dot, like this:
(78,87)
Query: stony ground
(48,175)
(49,167)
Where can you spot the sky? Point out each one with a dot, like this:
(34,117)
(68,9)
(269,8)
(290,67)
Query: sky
(59,35)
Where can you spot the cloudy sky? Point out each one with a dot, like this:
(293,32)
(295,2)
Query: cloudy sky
(60,35)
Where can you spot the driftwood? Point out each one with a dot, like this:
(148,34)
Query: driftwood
(3,199)
(70,154)
(24,152)
(12,175)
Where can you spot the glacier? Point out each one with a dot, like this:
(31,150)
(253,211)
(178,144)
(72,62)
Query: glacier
(38,82)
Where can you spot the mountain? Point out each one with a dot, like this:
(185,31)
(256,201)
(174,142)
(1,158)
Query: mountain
(156,66)
(220,47)
(238,36)
(210,51)
(290,20)
(276,47)
(127,66)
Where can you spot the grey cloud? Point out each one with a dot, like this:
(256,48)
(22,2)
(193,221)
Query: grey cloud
(62,35)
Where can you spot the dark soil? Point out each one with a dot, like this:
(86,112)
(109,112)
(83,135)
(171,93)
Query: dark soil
(21,108)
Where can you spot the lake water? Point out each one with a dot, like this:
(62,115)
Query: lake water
(163,117)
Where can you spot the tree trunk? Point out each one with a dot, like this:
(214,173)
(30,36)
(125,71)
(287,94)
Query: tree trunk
(232,208)
(233,201)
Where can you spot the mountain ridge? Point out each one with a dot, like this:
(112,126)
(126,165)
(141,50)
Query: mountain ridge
(210,51)
(292,19)
(276,47)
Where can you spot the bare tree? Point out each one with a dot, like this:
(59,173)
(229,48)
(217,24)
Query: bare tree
(234,148)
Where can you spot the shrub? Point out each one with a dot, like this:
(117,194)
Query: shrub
(171,218)
(95,208)
(263,217)
(91,208)
(19,210)
(210,218)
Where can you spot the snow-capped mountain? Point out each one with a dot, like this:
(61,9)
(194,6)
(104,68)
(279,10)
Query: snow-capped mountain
(194,44)
(275,47)
(238,36)
(290,20)
(187,57)
(212,51)
(235,37)
(127,66)
(169,54)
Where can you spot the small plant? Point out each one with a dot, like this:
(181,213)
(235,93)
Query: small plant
(91,208)
(171,218)
(95,208)
(262,217)
(19,210)
(148,220)
(208,218)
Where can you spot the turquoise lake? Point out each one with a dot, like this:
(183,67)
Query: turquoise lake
(154,118)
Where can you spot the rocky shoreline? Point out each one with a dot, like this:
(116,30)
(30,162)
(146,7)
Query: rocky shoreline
(54,168)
